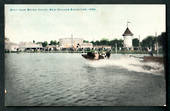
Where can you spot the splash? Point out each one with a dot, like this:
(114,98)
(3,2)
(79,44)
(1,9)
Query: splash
(129,63)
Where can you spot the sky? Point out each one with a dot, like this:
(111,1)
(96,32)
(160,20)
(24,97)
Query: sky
(25,23)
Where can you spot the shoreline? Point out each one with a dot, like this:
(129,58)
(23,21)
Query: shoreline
(121,52)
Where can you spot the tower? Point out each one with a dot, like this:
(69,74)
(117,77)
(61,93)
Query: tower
(127,39)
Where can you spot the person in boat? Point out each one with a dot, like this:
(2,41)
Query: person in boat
(93,54)
(90,54)
(96,55)
(102,55)
(108,54)
(150,52)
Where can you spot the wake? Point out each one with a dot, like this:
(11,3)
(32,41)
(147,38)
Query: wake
(129,63)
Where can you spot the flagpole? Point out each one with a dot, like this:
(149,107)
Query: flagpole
(127,23)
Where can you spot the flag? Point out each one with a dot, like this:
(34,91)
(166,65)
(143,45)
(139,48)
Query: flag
(127,23)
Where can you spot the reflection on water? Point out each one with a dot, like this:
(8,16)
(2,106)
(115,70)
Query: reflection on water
(56,79)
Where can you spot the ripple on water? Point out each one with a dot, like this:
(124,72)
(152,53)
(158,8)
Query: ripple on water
(55,79)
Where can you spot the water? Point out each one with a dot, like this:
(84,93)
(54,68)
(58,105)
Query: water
(57,79)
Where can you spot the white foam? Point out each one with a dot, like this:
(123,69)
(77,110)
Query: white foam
(129,63)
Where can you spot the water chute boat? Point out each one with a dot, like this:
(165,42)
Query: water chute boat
(96,56)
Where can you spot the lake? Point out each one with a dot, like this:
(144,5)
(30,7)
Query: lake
(67,79)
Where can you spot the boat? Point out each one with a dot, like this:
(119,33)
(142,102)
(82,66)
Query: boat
(96,56)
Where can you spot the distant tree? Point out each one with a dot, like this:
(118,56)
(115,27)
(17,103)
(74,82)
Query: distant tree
(58,43)
(33,41)
(92,42)
(135,42)
(112,43)
(107,42)
(85,41)
(45,43)
(104,42)
(97,43)
(53,42)
(116,41)
(162,39)
(120,43)
(148,42)
(38,42)
(105,39)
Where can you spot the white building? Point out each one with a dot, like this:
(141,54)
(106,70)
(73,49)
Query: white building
(52,47)
(75,43)
(86,45)
(10,46)
(70,42)
(128,36)
(29,45)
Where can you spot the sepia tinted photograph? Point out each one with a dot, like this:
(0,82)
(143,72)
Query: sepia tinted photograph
(85,55)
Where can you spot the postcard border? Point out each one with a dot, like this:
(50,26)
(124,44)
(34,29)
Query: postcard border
(80,108)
